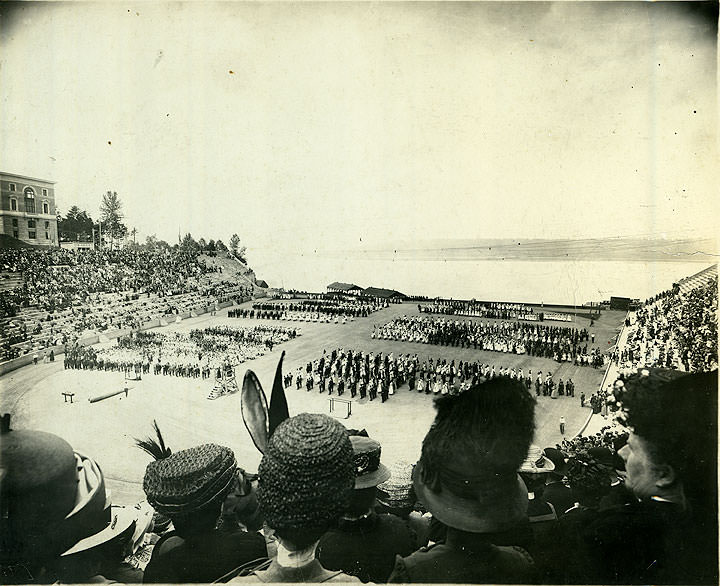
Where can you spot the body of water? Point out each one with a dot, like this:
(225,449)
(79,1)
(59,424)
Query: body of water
(553,281)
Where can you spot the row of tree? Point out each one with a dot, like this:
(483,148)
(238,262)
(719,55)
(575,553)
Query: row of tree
(78,226)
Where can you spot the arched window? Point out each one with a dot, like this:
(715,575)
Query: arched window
(29,193)
(46,208)
(13,204)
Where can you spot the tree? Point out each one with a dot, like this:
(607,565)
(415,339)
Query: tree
(238,251)
(188,242)
(211,245)
(111,216)
(234,243)
(220,245)
(202,244)
(76,226)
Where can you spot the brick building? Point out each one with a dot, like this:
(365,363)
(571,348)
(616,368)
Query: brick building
(27,209)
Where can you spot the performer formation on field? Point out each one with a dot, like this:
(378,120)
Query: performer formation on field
(563,344)
(323,310)
(367,375)
(193,355)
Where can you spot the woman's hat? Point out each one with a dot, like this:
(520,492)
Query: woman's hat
(189,480)
(306,473)
(397,491)
(536,462)
(119,522)
(491,504)
(467,473)
(366,457)
(53,498)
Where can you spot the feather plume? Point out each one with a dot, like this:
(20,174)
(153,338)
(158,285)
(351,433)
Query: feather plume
(157,449)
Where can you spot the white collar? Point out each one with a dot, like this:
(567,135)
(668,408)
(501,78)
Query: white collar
(295,559)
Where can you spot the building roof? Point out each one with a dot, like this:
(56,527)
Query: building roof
(377,292)
(343,286)
(4,175)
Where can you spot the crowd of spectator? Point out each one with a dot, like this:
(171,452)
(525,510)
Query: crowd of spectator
(676,329)
(193,355)
(563,344)
(65,294)
(55,278)
(481,505)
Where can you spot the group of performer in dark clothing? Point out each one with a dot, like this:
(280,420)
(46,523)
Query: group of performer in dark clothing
(370,375)
(322,307)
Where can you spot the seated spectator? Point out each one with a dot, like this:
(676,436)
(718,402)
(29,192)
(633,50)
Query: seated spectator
(58,523)
(669,535)
(467,478)
(365,543)
(189,487)
(306,478)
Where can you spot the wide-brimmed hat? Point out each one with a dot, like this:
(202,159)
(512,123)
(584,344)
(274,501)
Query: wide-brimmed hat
(467,473)
(369,471)
(54,498)
(496,504)
(191,479)
(536,462)
(558,458)
(397,491)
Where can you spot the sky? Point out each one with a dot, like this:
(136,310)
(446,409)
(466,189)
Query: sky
(304,126)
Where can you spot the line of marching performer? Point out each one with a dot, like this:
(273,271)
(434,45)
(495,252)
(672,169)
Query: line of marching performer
(372,375)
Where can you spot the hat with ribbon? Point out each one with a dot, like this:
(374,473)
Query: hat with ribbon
(191,479)
(54,500)
(467,473)
(366,457)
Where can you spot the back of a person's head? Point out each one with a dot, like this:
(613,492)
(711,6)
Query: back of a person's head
(467,473)
(489,426)
(306,477)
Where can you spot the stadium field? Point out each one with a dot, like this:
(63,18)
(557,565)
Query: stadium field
(106,429)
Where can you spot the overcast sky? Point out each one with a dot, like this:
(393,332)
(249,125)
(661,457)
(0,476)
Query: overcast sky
(314,126)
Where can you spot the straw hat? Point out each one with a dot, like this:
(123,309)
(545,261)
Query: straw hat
(536,462)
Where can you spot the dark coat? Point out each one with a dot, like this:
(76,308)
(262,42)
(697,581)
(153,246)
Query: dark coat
(465,558)
(202,558)
(651,542)
(559,496)
(366,548)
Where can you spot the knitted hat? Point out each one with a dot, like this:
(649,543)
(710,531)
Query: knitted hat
(397,492)
(189,480)
(307,473)
(366,457)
